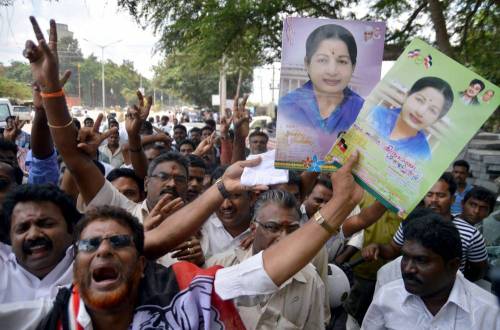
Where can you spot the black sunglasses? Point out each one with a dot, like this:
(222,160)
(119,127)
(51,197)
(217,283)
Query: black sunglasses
(93,243)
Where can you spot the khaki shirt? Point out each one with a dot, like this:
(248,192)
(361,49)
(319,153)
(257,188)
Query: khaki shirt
(299,303)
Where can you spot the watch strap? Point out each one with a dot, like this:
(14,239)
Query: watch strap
(322,222)
(222,189)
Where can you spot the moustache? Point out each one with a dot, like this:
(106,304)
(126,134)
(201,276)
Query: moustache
(170,191)
(411,278)
(41,241)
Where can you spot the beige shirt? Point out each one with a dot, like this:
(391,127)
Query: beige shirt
(114,159)
(299,303)
(109,195)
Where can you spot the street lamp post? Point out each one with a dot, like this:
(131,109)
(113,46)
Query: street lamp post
(102,67)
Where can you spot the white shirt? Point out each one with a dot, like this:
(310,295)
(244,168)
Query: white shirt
(115,159)
(17,284)
(245,279)
(389,272)
(216,239)
(468,307)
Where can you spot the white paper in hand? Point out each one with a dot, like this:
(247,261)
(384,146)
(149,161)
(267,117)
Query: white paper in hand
(264,173)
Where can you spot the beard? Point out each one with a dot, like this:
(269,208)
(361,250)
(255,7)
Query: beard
(109,299)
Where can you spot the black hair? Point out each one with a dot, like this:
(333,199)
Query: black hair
(294,178)
(171,156)
(195,129)
(331,31)
(77,123)
(448,178)
(88,118)
(207,128)
(280,197)
(196,161)
(151,120)
(187,141)
(40,193)
(165,117)
(258,133)
(6,145)
(180,126)
(477,82)
(15,173)
(324,182)
(110,213)
(435,233)
(211,123)
(146,128)
(481,194)
(155,146)
(462,163)
(127,173)
(440,85)
(218,172)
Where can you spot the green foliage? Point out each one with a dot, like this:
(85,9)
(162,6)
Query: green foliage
(13,89)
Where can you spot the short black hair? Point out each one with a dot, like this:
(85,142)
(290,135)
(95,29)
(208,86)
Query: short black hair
(324,182)
(207,128)
(126,173)
(146,128)
(435,233)
(6,145)
(40,193)
(331,31)
(180,126)
(211,123)
(196,161)
(15,173)
(195,129)
(112,213)
(171,156)
(438,84)
(462,163)
(482,194)
(448,178)
(218,172)
(477,82)
(294,178)
(187,141)
(155,146)
(77,123)
(258,133)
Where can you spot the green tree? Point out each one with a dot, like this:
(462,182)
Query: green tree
(19,71)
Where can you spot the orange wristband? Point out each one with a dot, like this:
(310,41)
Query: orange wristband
(59,93)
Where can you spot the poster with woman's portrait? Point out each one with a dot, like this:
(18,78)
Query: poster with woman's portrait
(328,67)
(414,124)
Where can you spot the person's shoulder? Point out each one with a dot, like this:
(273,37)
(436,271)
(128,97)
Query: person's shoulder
(390,288)
(464,226)
(479,298)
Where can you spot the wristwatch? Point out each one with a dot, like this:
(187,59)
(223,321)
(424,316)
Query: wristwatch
(322,222)
(222,189)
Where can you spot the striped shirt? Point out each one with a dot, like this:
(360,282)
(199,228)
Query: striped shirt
(473,247)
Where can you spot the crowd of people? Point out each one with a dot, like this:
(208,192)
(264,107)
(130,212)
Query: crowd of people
(155,230)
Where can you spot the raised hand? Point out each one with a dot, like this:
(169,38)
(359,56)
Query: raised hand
(190,251)
(136,114)
(205,145)
(89,138)
(11,133)
(37,98)
(343,181)
(241,117)
(162,210)
(43,58)
(232,176)
(224,126)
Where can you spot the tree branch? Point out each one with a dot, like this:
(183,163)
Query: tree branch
(409,24)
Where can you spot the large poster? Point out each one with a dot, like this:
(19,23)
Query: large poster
(328,67)
(413,125)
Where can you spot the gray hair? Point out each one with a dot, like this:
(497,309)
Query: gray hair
(281,198)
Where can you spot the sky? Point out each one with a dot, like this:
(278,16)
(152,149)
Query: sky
(101,22)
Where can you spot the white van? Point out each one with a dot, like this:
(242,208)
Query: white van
(5,111)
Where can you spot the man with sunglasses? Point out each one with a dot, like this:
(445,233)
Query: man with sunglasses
(300,302)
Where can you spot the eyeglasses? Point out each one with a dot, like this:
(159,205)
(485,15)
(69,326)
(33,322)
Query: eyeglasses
(162,176)
(93,243)
(276,228)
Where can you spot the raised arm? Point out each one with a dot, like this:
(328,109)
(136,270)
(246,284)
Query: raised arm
(368,216)
(241,122)
(45,70)
(226,146)
(136,115)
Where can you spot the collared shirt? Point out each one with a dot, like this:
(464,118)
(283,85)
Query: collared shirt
(468,307)
(383,121)
(43,170)
(216,239)
(299,303)
(109,195)
(473,247)
(246,279)
(456,207)
(298,111)
(17,284)
(114,159)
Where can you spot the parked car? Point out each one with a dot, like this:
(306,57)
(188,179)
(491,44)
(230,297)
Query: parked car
(77,110)
(23,112)
(5,111)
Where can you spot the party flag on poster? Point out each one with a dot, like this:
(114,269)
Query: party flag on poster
(327,68)
(414,124)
